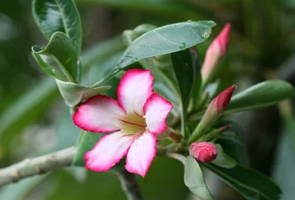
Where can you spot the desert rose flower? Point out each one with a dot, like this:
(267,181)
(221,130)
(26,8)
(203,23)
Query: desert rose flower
(215,52)
(133,120)
(203,151)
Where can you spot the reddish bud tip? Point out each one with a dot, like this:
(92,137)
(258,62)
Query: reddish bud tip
(203,151)
(223,98)
(223,38)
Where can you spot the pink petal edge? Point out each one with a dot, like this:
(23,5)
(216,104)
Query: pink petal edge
(135,87)
(107,152)
(156,111)
(91,117)
(141,154)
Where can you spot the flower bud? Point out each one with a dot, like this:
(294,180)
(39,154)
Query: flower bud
(203,151)
(222,100)
(216,50)
(217,106)
(214,110)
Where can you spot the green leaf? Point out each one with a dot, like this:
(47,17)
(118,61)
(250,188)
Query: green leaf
(86,141)
(224,160)
(194,180)
(73,93)
(261,95)
(59,16)
(186,75)
(59,58)
(166,39)
(249,183)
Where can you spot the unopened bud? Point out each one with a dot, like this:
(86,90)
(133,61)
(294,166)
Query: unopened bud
(217,106)
(216,50)
(203,151)
(222,100)
(214,110)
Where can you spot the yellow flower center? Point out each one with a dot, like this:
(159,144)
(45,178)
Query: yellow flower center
(133,124)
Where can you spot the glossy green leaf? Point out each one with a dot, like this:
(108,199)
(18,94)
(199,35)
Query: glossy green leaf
(194,180)
(73,93)
(59,58)
(249,183)
(58,16)
(223,160)
(86,141)
(186,75)
(261,95)
(166,39)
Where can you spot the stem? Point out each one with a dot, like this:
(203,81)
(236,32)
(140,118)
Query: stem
(129,185)
(37,166)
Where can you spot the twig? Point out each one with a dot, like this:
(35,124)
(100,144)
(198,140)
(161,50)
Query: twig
(129,185)
(37,166)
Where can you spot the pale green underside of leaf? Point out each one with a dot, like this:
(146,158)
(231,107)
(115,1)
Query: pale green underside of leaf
(194,180)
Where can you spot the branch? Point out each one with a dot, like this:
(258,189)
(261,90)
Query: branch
(37,166)
(129,185)
(57,160)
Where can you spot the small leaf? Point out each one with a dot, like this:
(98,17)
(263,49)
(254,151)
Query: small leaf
(261,95)
(73,93)
(166,39)
(86,141)
(58,16)
(224,160)
(194,180)
(249,183)
(58,58)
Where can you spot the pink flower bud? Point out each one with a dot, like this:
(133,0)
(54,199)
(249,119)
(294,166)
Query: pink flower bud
(216,50)
(203,151)
(223,99)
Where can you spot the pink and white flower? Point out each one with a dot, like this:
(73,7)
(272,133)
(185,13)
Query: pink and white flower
(134,121)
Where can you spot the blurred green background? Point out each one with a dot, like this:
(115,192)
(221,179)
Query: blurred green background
(34,120)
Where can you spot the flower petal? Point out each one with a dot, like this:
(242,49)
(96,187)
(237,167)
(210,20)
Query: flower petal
(107,152)
(141,154)
(98,114)
(156,111)
(134,89)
